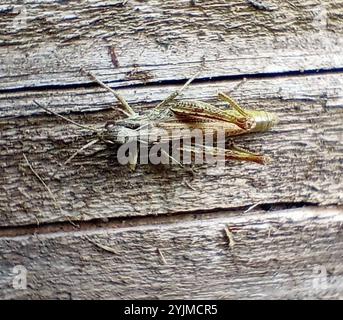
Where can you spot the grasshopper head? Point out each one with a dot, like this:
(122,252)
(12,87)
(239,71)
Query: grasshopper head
(263,120)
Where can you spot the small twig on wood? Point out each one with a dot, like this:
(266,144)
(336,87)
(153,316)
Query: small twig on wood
(187,183)
(113,55)
(252,207)
(229,236)
(22,192)
(161,255)
(270,229)
(244,80)
(101,246)
(37,220)
(57,206)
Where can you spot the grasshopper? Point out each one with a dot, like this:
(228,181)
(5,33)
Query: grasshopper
(157,126)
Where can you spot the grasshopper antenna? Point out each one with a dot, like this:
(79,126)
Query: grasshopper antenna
(65,118)
(86,146)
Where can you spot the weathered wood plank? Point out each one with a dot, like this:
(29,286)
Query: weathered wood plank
(276,255)
(46,42)
(289,254)
(306,147)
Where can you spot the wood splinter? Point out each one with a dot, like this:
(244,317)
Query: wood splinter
(229,236)
(159,251)
(101,246)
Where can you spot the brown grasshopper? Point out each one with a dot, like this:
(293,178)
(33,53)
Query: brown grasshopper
(160,124)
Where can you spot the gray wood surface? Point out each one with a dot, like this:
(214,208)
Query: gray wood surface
(306,148)
(282,254)
(46,42)
(291,54)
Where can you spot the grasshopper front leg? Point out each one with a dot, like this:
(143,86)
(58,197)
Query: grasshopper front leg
(176,93)
(125,107)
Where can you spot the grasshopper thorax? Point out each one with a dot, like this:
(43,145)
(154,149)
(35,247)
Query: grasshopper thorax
(120,133)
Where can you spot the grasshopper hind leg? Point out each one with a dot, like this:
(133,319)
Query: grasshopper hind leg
(238,153)
(230,153)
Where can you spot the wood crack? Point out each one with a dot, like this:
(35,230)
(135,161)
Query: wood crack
(118,222)
(169,82)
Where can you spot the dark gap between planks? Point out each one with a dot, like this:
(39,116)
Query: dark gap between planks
(261,75)
(130,221)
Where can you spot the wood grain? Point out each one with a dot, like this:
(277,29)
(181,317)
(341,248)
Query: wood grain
(291,54)
(288,254)
(306,147)
(45,43)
